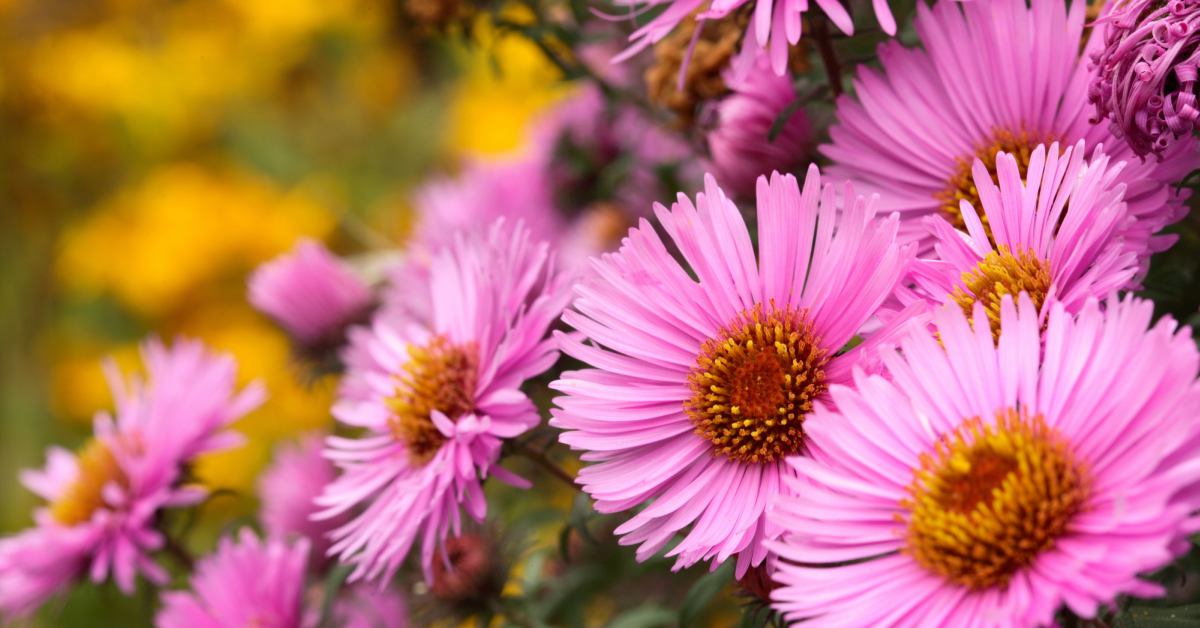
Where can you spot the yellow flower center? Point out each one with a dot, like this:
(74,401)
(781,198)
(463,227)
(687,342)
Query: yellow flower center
(1002,273)
(754,382)
(991,498)
(439,376)
(961,186)
(97,467)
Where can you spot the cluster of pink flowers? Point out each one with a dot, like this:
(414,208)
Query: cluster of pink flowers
(910,387)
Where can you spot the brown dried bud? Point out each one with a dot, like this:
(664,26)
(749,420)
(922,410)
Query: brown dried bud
(757,583)
(438,15)
(473,572)
(718,42)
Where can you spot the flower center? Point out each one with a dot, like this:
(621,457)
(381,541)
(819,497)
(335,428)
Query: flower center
(97,467)
(1002,273)
(754,382)
(991,498)
(439,376)
(961,186)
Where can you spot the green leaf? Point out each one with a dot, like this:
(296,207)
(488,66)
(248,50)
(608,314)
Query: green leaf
(702,593)
(1154,617)
(644,617)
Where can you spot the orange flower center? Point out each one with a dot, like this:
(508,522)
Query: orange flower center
(990,498)
(438,376)
(754,383)
(1002,273)
(961,186)
(97,467)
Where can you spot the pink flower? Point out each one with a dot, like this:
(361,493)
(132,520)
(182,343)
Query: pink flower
(700,387)
(436,401)
(1145,73)
(776,24)
(104,500)
(991,76)
(979,484)
(365,606)
(515,189)
(742,147)
(288,489)
(1054,236)
(311,293)
(245,583)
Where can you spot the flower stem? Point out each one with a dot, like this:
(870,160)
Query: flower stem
(544,461)
(833,69)
(179,553)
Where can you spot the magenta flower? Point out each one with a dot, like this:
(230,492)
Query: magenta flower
(1054,236)
(700,387)
(436,401)
(311,293)
(741,146)
(990,76)
(103,502)
(244,583)
(775,25)
(1145,73)
(979,484)
(287,490)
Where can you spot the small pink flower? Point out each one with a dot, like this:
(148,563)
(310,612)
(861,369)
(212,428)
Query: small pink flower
(775,25)
(742,147)
(1053,233)
(984,483)
(1145,73)
(700,386)
(435,401)
(312,294)
(244,583)
(104,500)
(287,490)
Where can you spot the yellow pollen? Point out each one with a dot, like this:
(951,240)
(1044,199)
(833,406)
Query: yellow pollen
(990,498)
(754,383)
(438,376)
(1002,273)
(961,186)
(97,467)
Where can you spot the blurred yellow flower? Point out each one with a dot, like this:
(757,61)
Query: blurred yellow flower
(507,80)
(151,245)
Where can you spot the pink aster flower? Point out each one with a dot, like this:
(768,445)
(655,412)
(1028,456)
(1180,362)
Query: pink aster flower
(288,489)
(436,401)
(103,501)
(1145,73)
(990,76)
(312,294)
(775,24)
(515,189)
(244,583)
(1053,234)
(979,484)
(700,387)
(742,147)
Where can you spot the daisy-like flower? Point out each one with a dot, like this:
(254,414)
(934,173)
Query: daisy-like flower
(1053,235)
(436,401)
(252,582)
(312,294)
(105,499)
(700,387)
(985,484)
(244,583)
(773,26)
(990,76)
(287,490)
